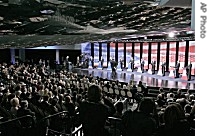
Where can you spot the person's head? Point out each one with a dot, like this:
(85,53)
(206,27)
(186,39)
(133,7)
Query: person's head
(173,114)
(187,108)
(24,104)
(68,99)
(160,90)
(94,93)
(54,102)
(147,106)
(119,107)
(140,83)
(14,102)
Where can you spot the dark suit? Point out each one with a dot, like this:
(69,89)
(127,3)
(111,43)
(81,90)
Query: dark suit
(92,62)
(93,117)
(163,68)
(142,66)
(121,63)
(177,70)
(132,64)
(188,70)
(153,63)
(113,66)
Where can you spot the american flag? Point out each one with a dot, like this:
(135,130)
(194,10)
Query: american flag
(181,57)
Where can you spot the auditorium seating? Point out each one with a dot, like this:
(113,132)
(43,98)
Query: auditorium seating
(61,123)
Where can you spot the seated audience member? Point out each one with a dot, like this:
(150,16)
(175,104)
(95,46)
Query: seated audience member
(23,111)
(160,101)
(94,112)
(175,122)
(69,106)
(6,100)
(140,122)
(144,90)
(52,108)
(119,110)
(45,103)
(170,98)
(15,105)
(178,94)
(187,109)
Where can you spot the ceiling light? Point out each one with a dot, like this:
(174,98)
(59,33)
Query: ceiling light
(171,34)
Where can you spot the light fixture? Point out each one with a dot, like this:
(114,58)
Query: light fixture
(171,35)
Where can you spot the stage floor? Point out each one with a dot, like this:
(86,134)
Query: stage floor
(148,79)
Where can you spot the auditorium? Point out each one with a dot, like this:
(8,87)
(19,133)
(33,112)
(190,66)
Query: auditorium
(97,67)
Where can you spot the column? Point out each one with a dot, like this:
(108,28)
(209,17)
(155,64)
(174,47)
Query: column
(12,55)
(57,56)
(22,54)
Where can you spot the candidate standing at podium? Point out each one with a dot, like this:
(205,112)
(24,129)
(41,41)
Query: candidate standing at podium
(188,71)
(113,66)
(153,63)
(142,65)
(132,63)
(177,69)
(163,67)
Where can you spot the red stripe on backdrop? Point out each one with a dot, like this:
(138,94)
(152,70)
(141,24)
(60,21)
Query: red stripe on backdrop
(191,56)
(181,57)
(182,47)
(129,47)
(121,45)
(163,49)
(145,54)
(112,44)
(137,49)
(172,54)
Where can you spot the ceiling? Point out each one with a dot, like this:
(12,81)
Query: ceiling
(32,23)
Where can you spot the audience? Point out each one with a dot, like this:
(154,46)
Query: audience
(175,123)
(39,90)
(140,122)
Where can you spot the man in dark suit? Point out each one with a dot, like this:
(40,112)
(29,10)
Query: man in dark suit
(163,67)
(153,63)
(177,69)
(113,66)
(142,65)
(94,112)
(188,70)
(121,63)
(132,63)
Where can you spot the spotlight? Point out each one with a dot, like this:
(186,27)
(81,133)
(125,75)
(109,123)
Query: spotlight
(171,34)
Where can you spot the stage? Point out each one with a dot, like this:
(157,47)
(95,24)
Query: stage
(150,80)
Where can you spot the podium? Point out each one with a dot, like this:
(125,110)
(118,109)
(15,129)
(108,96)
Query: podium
(171,74)
(129,67)
(99,65)
(139,69)
(150,69)
(184,74)
(160,71)
(90,65)
(119,67)
(109,66)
